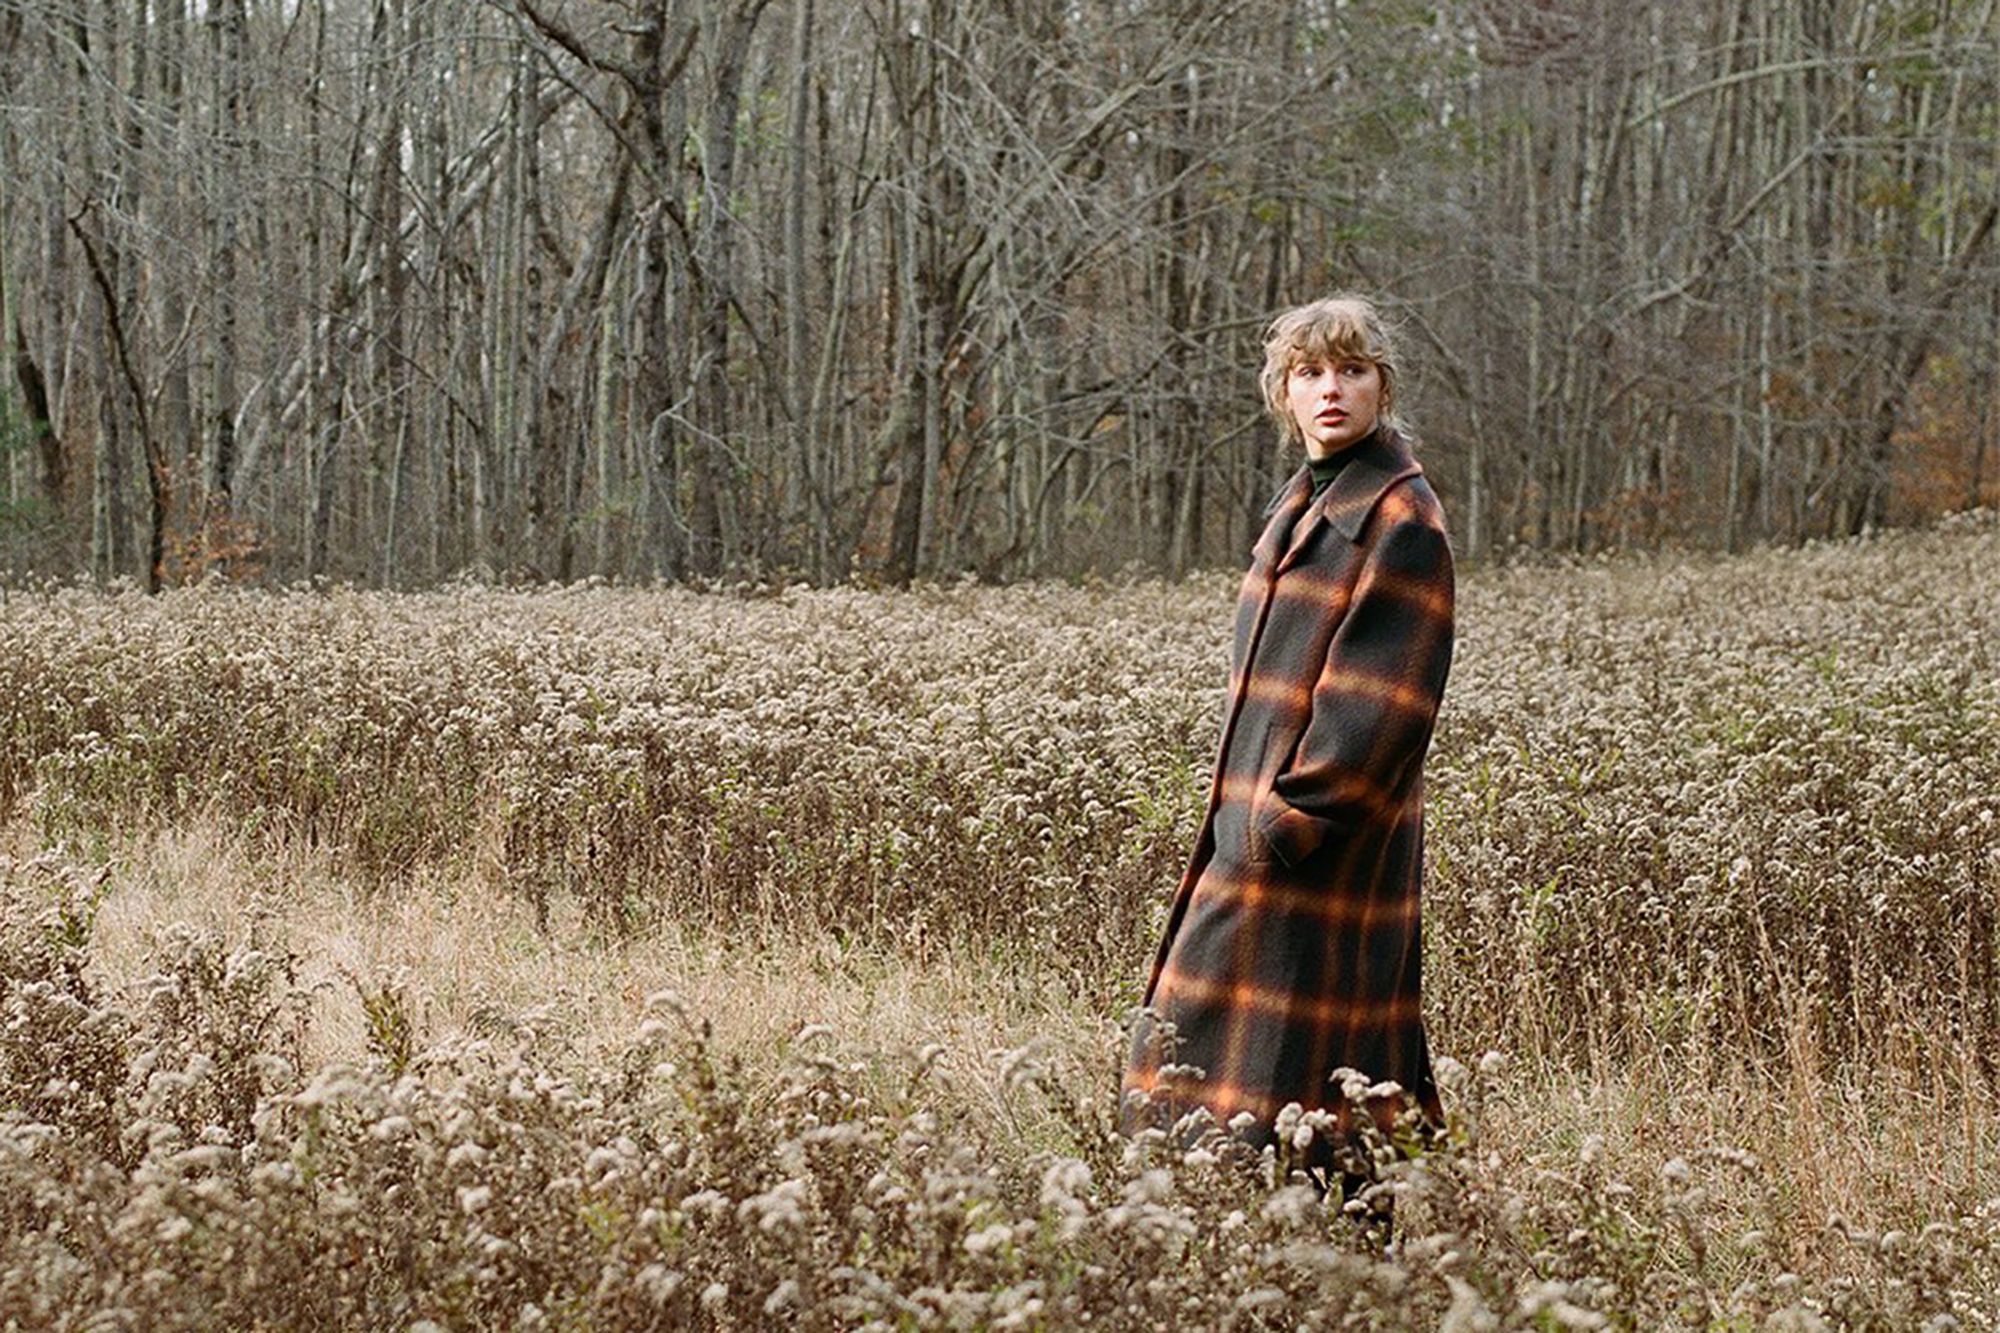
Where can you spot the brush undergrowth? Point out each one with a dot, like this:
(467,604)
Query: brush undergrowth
(166,1162)
(1736,818)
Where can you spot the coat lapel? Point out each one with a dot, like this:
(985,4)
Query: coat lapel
(1301,533)
(1282,516)
(1381,461)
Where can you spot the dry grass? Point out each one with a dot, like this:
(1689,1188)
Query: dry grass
(469,964)
(1713,851)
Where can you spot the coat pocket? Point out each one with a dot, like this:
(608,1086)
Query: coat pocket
(1257,851)
(1266,802)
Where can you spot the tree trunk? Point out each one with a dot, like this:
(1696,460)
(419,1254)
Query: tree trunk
(227,23)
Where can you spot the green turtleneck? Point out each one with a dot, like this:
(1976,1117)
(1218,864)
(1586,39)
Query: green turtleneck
(1324,470)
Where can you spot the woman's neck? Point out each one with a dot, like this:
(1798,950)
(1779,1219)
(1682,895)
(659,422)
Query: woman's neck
(1324,470)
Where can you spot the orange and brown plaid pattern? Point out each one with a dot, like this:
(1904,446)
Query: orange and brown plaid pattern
(1293,947)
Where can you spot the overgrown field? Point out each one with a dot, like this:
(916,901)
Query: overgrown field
(337,926)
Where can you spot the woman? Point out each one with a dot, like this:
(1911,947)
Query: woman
(1292,950)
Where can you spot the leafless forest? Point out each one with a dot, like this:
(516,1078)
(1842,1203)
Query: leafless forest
(394,290)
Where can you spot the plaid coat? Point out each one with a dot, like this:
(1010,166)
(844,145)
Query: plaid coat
(1293,946)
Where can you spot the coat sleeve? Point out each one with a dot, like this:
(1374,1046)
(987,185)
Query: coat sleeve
(1377,697)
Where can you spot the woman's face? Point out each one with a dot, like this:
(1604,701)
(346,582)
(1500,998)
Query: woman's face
(1335,402)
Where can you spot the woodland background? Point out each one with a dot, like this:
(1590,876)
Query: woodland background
(393,291)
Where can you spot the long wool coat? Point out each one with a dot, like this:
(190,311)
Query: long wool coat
(1293,944)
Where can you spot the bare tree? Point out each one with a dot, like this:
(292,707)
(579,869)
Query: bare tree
(384,291)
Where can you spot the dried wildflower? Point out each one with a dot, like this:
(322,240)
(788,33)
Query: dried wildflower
(1291,1206)
(1670,822)
(988,1239)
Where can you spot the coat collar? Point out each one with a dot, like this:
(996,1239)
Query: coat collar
(1379,462)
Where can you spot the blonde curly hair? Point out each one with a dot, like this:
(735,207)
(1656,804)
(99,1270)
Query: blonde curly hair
(1344,326)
